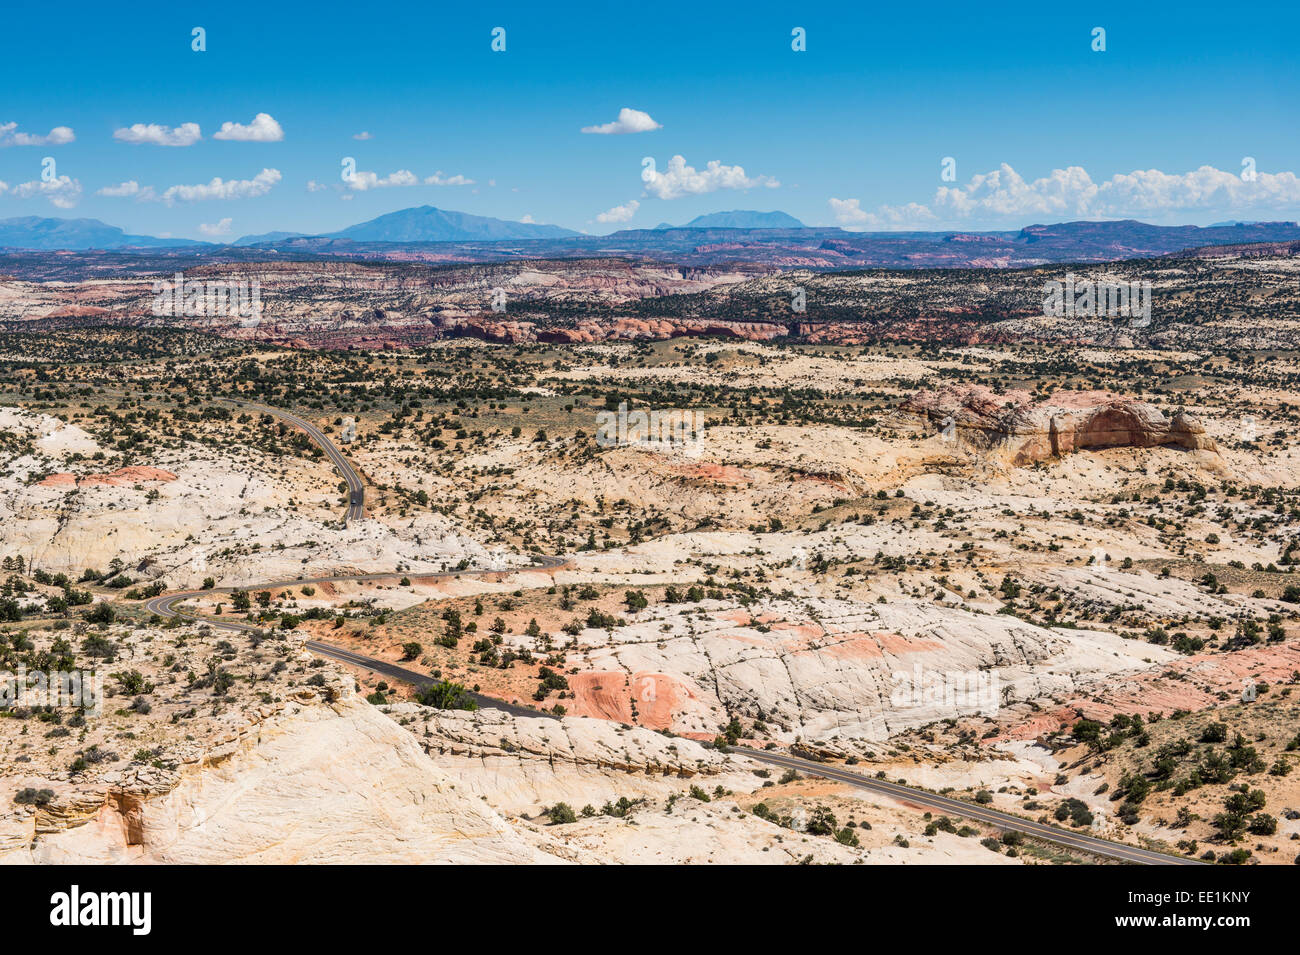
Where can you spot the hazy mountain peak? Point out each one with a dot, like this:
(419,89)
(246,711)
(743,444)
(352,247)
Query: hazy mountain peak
(431,224)
(35,232)
(744,219)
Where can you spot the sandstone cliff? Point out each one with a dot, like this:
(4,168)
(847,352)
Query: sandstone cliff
(1016,429)
(316,783)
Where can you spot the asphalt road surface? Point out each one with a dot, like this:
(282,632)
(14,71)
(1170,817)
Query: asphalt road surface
(356,489)
(164,606)
(968,810)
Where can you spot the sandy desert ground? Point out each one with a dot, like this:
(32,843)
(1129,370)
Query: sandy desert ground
(1054,579)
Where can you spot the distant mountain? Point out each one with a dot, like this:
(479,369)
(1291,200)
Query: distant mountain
(429,224)
(740,219)
(1236,222)
(265,237)
(430,235)
(34,232)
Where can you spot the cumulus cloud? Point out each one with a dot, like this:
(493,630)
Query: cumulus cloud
(152,134)
(219,188)
(363,135)
(680,179)
(850,214)
(361,180)
(63,192)
(216,228)
(619,213)
(1206,187)
(1070,193)
(629,121)
(127,189)
(263,129)
(438,179)
(314,186)
(58,136)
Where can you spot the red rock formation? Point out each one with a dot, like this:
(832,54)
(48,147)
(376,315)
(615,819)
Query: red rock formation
(619,329)
(131,475)
(1021,429)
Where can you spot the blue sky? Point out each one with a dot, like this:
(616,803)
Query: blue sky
(851,131)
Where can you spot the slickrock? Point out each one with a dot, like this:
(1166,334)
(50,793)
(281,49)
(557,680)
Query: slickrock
(822,669)
(572,739)
(326,784)
(522,764)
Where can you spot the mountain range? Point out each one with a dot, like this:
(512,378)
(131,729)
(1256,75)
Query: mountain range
(416,225)
(430,224)
(768,239)
(34,232)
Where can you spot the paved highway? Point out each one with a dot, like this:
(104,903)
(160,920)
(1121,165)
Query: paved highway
(356,489)
(968,810)
(165,606)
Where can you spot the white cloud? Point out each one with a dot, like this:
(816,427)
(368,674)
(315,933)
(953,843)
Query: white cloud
(1070,193)
(362,181)
(314,186)
(1004,192)
(4,187)
(682,180)
(363,135)
(216,229)
(629,121)
(619,213)
(58,136)
(61,191)
(438,179)
(263,129)
(850,214)
(219,188)
(152,134)
(127,189)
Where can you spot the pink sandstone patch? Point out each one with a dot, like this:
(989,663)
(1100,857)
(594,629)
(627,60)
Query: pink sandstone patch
(131,475)
(603,695)
(1193,683)
(659,698)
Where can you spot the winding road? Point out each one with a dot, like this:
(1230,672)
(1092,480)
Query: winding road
(165,606)
(356,509)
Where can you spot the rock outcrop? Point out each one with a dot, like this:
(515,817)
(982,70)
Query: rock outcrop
(1016,428)
(814,670)
(318,784)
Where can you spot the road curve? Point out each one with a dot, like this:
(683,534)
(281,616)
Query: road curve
(165,606)
(356,488)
